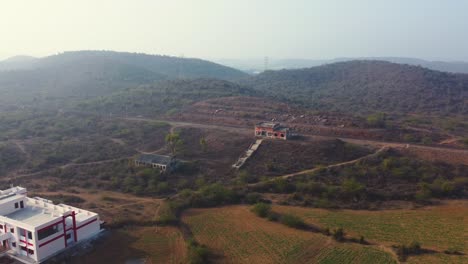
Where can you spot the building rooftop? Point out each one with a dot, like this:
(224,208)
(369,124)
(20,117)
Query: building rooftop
(157,159)
(38,211)
(267,124)
(11,194)
(33,216)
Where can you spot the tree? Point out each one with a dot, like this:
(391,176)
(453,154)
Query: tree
(174,143)
(377,120)
(352,188)
(261,209)
(203,144)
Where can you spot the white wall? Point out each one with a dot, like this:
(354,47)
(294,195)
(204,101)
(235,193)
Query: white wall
(51,248)
(88,230)
(8,208)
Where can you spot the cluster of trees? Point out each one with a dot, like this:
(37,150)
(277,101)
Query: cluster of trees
(293,156)
(10,157)
(385,177)
(264,210)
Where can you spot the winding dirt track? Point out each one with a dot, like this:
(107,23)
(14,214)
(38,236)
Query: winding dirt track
(286,176)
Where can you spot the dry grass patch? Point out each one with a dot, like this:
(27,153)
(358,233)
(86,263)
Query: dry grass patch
(148,244)
(114,207)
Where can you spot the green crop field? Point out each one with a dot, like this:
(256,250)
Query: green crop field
(437,228)
(235,235)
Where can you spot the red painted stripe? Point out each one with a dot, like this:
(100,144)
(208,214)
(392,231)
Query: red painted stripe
(50,241)
(29,244)
(64,231)
(83,225)
(75,233)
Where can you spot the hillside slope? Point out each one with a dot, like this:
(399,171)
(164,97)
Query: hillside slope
(17,62)
(163,97)
(368,86)
(84,74)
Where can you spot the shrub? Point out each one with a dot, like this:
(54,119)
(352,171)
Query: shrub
(272,216)
(198,254)
(424,193)
(324,203)
(338,234)
(252,198)
(261,209)
(452,251)
(351,187)
(108,198)
(414,247)
(362,240)
(465,141)
(168,214)
(293,221)
(377,120)
(403,251)
(245,177)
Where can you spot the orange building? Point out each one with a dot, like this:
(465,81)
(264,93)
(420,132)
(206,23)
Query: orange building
(272,130)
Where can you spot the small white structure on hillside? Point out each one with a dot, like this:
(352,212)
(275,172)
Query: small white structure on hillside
(161,162)
(34,229)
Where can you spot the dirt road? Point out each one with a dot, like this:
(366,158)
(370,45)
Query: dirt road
(445,154)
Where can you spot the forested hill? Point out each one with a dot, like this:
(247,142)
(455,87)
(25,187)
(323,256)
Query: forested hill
(368,86)
(172,67)
(163,97)
(95,73)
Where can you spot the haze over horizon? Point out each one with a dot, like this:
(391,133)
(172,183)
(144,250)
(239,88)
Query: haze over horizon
(431,30)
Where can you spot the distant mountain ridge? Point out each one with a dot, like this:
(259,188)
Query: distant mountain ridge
(258,65)
(17,62)
(368,86)
(161,64)
(96,73)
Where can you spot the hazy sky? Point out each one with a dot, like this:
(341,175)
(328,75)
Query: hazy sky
(314,29)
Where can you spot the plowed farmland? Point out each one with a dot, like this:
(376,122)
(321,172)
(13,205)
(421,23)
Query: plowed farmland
(235,235)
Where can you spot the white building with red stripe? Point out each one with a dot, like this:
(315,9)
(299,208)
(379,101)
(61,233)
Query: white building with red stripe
(34,229)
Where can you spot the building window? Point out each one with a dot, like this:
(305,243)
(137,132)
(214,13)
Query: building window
(13,244)
(29,235)
(282,135)
(21,204)
(12,230)
(68,236)
(30,251)
(1,227)
(16,205)
(41,234)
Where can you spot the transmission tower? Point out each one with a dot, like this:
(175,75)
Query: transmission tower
(265,63)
